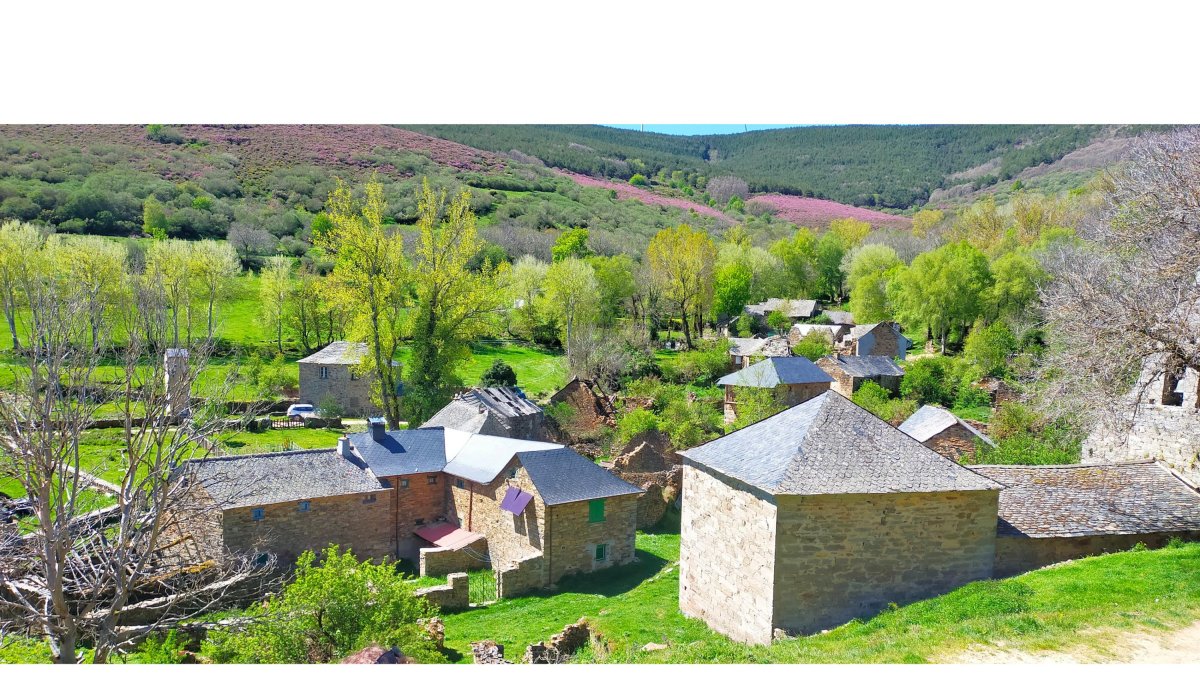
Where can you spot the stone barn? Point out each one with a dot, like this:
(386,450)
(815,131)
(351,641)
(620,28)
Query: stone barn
(495,411)
(944,432)
(745,351)
(849,372)
(833,334)
(821,514)
(1053,513)
(795,379)
(331,372)
(876,339)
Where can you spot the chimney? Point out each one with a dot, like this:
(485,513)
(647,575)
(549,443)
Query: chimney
(378,428)
(343,448)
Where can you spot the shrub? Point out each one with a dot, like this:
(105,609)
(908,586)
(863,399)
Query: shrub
(755,404)
(633,423)
(162,649)
(813,346)
(745,325)
(1012,418)
(778,321)
(971,396)
(987,348)
(700,366)
(499,374)
(926,381)
(878,401)
(637,179)
(164,134)
(330,408)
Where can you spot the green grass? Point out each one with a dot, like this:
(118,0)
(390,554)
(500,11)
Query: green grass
(540,372)
(637,604)
(247,442)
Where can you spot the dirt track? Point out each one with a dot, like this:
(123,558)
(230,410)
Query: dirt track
(1177,646)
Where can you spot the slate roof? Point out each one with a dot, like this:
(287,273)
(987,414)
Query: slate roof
(776,370)
(799,330)
(829,445)
(402,452)
(477,410)
(867,366)
(798,308)
(1083,500)
(250,480)
(931,420)
(776,345)
(840,317)
(561,476)
(338,353)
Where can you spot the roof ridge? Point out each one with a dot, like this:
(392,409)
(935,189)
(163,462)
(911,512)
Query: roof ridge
(1132,462)
(250,455)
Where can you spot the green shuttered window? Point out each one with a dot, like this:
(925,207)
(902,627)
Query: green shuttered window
(596,511)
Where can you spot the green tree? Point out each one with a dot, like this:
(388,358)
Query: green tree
(779,322)
(926,220)
(942,289)
(215,268)
(1014,290)
(849,231)
(154,219)
(637,179)
(499,374)
(169,267)
(572,296)
(275,287)
(572,243)
(732,281)
(97,269)
(614,277)
(798,256)
(869,269)
(830,280)
(681,266)
(987,348)
(20,244)
(813,346)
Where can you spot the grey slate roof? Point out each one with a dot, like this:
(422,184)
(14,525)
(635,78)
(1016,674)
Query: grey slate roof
(797,308)
(931,420)
(476,410)
(776,370)
(829,445)
(402,452)
(561,475)
(250,480)
(1083,500)
(840,317)
(867,366)
(338,353)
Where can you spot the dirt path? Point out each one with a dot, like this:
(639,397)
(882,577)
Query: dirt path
(1177,646)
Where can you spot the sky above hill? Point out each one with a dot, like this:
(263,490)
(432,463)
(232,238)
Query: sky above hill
(700,129)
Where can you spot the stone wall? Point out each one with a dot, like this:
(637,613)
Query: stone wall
(521,576)
(844,556)
(842,383)
(354,395)
(1170,434)
(726,555)
(360,522)
(476,507)
(571,540)
(438,561)
(953,443)
(455,594)
(591,411)
(1015,555)
(883,340)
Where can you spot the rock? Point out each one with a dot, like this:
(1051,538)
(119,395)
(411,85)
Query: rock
(653,647)
(488,652)
(435,629)
(376,654)
(779,634)
(560,646)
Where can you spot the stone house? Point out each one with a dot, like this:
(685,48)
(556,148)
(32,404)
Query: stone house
(824,513)
(944,432)
(840,318)
(495,411)
(290,502)
(1164,425)
(745,351)
(876,339)
(849,372)
(1053,513)
(832,333)
(330,373)
(795,309)
(795,380)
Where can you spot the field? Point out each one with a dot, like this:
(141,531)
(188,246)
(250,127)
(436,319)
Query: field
(1060,607)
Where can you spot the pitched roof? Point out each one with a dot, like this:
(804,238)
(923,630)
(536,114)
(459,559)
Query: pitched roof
(932,420)
(250,480)
(402,452)
(484,410)
(796,307)
(776,370)
(829,445)
(1083,500)
(801,329)
(775,345)
(338,353)
(840,317)
(561,475)
(481,458)
(866,366)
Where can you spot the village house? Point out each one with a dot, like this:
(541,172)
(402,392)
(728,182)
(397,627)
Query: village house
(833,334)
(331,374)
(1165,426)
(796,309)
(824,513)
(876,339)
(744,351)
(840,318)
(1053,513)
(849,372)
(494,411)
(794,379)
(448,500)
(945,433)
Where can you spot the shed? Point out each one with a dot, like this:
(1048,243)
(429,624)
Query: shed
(497,411)
(744,351)
(794,378)
(877,339)
(849,372)
(944,432)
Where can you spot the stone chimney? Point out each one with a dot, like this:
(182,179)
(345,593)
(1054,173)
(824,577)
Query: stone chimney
(179,391)
(344,449)
(378,428)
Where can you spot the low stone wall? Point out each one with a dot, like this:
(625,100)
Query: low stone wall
(438,561)
(456,594)
(523,576)
(1016,555)
(561,645)
(1169,434)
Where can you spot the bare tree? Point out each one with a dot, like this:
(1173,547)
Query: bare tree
(86,563)
(1125,297)
(722,188)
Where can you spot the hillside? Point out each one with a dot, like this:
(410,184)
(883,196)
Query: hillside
(882,166)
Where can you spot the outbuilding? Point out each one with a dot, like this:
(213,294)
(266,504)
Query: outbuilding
(794,379)
(850,372)
(945,433)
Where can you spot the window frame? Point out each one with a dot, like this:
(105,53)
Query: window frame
(596,510)
(431,479)
(305,506)
(324,372)
(404,483)
(460,483)
(258,514)
(601,554)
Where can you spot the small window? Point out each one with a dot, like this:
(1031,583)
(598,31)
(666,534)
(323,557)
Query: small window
(369,499)
(404,482)
(512,473)
(460,483)
(262,559)
(601,552)
(432,480)
(324,373)
(257,514)
(305,506)
(596,511)
(419,521)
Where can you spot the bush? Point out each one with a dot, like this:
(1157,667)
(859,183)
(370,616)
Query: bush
(499,374)
(971,396)
(778,321)
(927,381)
(700,366)
(745,325)
(878,401)
(1012,418)
(633,423)
(987,348)
(162,649)
(164,134)
(637,179)
(330,409)
(813,346)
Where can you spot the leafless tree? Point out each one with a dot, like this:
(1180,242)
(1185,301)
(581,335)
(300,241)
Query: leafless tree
(84,565)
(250,241)
(1126,296)
(722,188)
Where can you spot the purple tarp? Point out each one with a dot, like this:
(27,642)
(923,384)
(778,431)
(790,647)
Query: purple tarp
(515,500)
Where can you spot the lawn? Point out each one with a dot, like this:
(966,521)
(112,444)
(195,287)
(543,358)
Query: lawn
(275,440)
(539,372)
(1082,602)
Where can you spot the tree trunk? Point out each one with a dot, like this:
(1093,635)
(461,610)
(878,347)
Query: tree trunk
(212,297)
(687,331)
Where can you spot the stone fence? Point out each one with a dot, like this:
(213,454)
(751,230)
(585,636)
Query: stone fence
(438,561)
(456,594)
(523,576)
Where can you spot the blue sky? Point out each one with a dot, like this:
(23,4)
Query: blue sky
(700,129)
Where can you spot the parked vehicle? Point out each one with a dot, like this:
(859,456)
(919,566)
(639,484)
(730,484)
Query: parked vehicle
(301,411)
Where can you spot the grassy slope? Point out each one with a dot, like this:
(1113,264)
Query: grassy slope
(1044,609)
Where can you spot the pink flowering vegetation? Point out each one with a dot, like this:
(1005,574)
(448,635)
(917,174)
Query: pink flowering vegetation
(816,213)
(627,191)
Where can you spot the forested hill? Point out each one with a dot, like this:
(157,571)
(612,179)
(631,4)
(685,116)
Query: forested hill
(889,166)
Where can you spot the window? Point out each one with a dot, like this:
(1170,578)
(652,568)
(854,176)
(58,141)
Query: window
(419,521)
(460,483)
(596,511)
(324,373)
(262,559)
(369,499)
(257,514)
(512,473)
(432,480)
(305,506)
(601,552)
(404,482)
